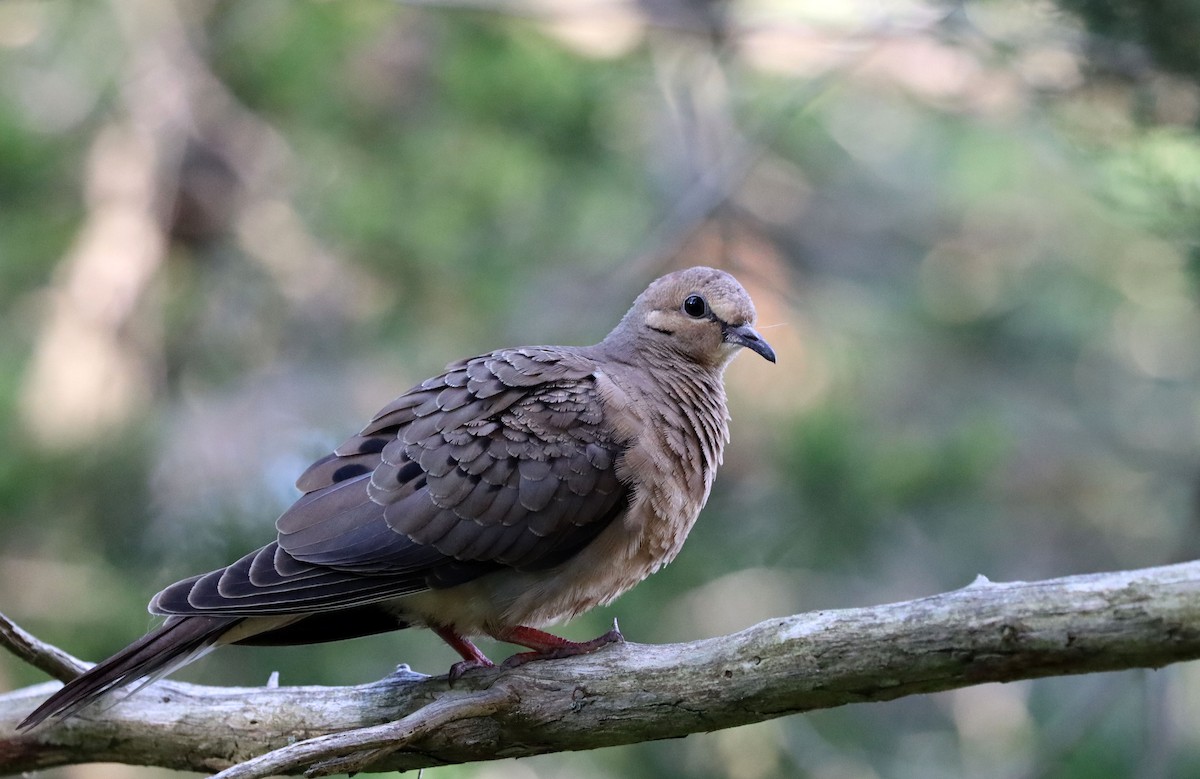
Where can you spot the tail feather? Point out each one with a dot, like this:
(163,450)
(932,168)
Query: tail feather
(178,641)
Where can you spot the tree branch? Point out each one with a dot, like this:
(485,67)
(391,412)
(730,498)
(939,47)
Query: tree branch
(357,750)
(628,692)
(39,654)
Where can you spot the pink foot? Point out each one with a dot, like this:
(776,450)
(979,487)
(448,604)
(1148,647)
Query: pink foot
(472,657)
(547,646)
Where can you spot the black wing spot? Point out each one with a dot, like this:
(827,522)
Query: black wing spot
(349,471)
(409,472)
(372,445)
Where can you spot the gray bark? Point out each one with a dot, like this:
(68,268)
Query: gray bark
(627,693)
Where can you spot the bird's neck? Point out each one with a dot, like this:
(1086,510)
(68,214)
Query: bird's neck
(694,414)
(698,393)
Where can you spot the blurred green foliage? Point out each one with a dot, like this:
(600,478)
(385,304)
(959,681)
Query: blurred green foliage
(229,232)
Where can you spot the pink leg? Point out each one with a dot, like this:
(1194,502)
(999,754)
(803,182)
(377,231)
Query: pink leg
(547,646)
(472,657)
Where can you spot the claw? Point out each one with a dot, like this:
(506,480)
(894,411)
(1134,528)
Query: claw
(462,666)
(617,636)
(472,658)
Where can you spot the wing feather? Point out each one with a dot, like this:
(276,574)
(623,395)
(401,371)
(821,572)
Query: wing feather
(503,460)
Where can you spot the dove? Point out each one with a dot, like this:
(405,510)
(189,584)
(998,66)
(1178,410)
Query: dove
(513,491)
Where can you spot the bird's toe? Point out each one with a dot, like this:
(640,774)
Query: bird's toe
(461,667)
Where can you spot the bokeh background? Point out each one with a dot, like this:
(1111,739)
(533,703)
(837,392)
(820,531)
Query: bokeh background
(229,232)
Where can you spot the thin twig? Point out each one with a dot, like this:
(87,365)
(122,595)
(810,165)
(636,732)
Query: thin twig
(355,750)
(39,654)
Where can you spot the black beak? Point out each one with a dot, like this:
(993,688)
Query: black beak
(747,336)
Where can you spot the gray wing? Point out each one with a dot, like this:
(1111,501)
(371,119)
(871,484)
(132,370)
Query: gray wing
(502,461)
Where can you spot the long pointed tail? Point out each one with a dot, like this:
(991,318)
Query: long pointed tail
(178,641)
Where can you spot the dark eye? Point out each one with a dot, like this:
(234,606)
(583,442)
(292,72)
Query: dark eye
(695,306)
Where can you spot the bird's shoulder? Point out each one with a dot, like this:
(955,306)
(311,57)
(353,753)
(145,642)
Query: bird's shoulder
(531,400)
(507,457)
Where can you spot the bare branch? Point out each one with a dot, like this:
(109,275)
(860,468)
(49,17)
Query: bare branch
(628,692)
(39,654)
(357,750)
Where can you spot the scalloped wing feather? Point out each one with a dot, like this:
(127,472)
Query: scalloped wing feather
(502,461)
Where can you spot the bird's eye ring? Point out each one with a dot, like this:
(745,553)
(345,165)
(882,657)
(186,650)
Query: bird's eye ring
(695,306)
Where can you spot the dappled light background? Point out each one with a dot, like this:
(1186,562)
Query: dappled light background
(230,232)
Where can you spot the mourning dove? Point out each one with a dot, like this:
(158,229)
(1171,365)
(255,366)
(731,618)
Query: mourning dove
(515,490)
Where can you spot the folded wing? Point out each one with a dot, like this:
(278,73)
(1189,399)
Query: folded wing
(503,461)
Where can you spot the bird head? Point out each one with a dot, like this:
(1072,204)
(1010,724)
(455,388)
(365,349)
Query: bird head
(701,313)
